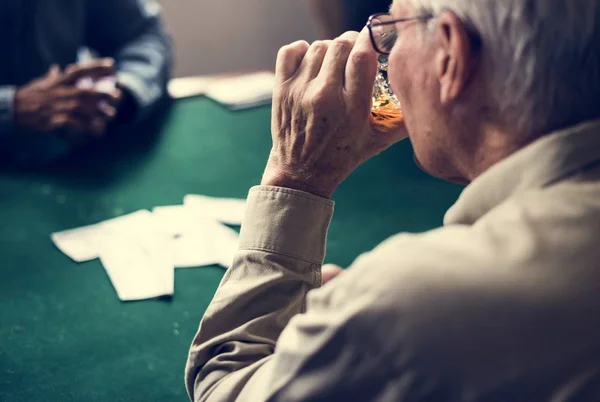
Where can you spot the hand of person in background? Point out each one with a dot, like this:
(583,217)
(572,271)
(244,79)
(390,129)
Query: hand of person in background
(321,124)
(55,102)
(125,106)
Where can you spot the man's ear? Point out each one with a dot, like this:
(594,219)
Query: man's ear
(455,56)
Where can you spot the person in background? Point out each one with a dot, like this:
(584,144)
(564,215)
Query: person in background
(49,103)
(337,16)
(502,303)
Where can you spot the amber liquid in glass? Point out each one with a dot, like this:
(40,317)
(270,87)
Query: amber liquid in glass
(386,111)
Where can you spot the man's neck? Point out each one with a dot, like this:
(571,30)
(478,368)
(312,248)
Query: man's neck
(495,145)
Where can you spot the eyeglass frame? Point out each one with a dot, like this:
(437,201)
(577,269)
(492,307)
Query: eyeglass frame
(370,26)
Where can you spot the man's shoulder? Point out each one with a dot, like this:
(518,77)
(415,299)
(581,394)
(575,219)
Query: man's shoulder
(539,231)
(512,295)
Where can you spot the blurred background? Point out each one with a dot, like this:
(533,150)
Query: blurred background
(231,35)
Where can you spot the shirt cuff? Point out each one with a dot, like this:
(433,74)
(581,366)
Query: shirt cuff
(7,99)
(286,221)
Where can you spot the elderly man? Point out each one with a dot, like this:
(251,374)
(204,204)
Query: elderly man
(48,102)
(503,302)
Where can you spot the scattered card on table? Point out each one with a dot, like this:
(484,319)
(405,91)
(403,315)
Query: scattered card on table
(82,244)
(226,210)
(209,244)
(141,250)
(135,271)
(244,91)
(186,87)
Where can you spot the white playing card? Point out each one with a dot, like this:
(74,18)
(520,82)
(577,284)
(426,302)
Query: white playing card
(106,84)
(134,270)
(141,250)
(83,244)
(243,91)
(209,244)
(226,210)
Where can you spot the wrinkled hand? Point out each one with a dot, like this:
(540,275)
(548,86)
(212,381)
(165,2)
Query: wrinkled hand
(321,124)
(54,102)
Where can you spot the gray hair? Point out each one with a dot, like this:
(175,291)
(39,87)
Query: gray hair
(542,57)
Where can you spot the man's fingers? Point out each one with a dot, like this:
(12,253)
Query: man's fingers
(87,108)
(334,64)
(58,121)
(53,71)
(361,68)
(65,106)
(89,96)
(69,121)
(107,110)
(94,69)
(92,64)
(117,94)
(289,60)
(84,114)
(311,65)
(349,36)
(79,125)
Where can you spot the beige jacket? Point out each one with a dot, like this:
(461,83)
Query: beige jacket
(501,304)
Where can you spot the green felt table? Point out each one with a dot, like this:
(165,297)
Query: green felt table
(65,336)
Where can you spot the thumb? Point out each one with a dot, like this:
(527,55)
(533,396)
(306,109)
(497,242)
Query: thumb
(53,71)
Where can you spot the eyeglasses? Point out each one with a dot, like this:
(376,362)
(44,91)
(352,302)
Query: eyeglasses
(384,32)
